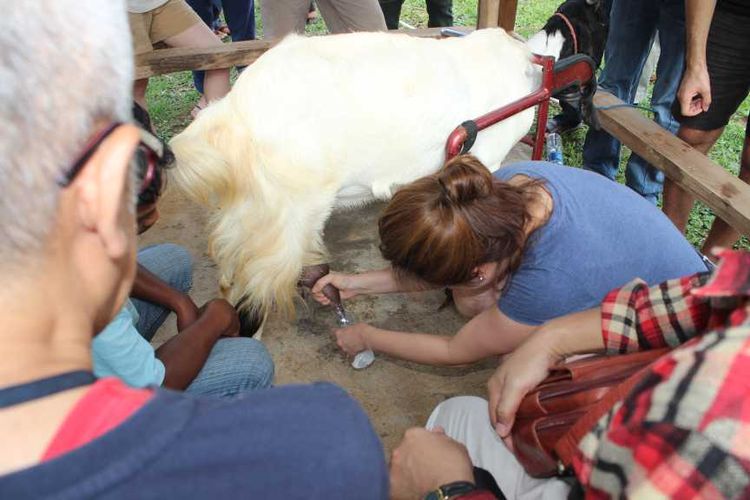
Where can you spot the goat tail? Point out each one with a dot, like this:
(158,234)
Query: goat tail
(204,171)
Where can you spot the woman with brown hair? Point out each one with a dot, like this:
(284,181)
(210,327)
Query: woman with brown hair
(529,243)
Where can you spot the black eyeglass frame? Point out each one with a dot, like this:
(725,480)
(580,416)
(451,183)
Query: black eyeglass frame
(152,146)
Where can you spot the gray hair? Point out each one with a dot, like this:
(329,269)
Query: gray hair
(64,66)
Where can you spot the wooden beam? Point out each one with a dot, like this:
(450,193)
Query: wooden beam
(488,14)
(227,55)
(497,13)
(507,14)
(725,194)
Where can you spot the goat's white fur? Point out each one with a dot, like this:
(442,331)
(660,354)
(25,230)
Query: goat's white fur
(327,122)
(546,44)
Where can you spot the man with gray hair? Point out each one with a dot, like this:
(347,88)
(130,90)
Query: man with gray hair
(67,257)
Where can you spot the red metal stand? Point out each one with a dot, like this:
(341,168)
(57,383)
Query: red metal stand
(555,77)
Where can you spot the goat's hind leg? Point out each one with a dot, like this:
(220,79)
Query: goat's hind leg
(251,320)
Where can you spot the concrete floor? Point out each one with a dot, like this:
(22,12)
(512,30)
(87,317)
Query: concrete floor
(396,394)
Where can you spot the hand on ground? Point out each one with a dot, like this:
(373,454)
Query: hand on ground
(352,339)
(426,460)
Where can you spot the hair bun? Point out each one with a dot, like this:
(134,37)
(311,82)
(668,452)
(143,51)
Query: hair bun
(464,179)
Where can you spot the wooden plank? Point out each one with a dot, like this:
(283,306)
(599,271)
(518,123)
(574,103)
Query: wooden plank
(725,194)
(507,14)
(488,14)
(497,13)
(227,55)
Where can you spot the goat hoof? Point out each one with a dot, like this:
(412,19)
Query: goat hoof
(250,322)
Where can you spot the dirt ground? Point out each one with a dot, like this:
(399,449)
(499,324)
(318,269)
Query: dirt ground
(396,394)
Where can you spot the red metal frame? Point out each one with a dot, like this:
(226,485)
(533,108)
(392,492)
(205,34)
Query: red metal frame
(553,80)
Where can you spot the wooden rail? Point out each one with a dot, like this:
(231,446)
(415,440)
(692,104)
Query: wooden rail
(494,13)
(725,194)
(227,55)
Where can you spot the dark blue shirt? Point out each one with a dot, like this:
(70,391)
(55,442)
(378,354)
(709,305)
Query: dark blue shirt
(292,442)
(600,236)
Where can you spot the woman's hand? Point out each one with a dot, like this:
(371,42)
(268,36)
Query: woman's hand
(353,339)
(348,285)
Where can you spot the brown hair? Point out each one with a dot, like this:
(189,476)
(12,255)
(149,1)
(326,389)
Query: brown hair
(440,227)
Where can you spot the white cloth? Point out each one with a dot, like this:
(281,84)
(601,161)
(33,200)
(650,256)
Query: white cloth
(466,419)
(141,6)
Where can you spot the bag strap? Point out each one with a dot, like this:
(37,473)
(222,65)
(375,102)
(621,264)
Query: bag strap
(567,446)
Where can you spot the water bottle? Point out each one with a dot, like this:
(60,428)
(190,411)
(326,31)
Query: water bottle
(554,148)
(364,358)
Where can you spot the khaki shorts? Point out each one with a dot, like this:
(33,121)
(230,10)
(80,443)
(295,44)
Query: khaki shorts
(155,26)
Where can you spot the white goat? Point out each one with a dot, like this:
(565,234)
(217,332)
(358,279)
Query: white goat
(327,122)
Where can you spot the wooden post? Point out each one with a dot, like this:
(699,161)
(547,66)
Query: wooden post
(494,13)
(725,194)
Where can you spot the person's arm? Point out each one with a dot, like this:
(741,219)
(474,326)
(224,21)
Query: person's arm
(369,282)
(488,334)
(694,94)
(630,318)
(185,354)
(638,317)
(148,287)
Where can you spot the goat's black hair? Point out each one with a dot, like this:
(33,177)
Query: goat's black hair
(590,19)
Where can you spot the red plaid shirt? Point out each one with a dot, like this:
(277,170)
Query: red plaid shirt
(684,431)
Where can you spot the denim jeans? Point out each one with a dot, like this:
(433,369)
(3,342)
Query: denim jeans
(234,365)
(633,27)
(240,17)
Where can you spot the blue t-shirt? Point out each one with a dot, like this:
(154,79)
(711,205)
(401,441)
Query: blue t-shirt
(600,236)
(120,351)
(292,442)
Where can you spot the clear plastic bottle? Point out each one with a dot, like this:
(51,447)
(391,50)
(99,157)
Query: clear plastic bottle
(364,358)
(554,148)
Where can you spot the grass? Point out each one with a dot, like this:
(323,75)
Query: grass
(171,97)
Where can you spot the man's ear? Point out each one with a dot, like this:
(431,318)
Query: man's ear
(103,189)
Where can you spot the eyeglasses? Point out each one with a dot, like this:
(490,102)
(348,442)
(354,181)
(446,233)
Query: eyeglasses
(149,152)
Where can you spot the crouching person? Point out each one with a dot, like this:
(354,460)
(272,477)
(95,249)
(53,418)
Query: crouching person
(67,241)
(206,356)
(681,431)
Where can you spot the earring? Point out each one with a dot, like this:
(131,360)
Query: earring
(481,278)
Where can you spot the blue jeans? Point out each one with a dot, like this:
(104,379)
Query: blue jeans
(240,16)
(633,26)
(235,365)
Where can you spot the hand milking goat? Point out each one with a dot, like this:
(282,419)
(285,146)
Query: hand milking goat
(332,122)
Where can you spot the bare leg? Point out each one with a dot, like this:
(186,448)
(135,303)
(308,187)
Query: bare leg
(216,83)
(139,92)
(677,202)
(722,234)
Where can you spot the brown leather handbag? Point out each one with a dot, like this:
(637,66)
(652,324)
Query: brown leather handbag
(553,418)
